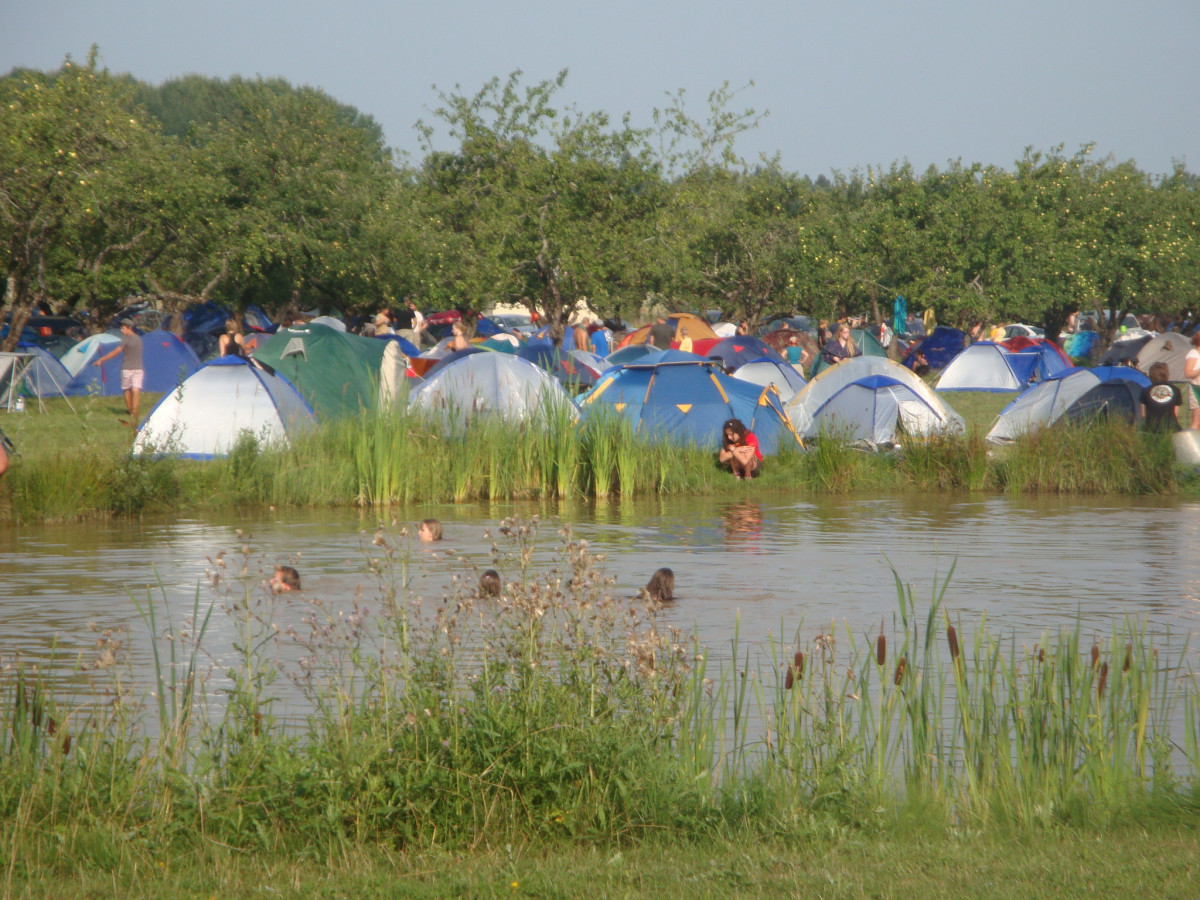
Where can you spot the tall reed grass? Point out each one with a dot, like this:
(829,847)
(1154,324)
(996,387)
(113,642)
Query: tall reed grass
(559,711)
(378,459)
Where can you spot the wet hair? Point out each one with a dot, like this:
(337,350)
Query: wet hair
(1160,373)
(489,584)
(288,577)
(661,586)
(434,526)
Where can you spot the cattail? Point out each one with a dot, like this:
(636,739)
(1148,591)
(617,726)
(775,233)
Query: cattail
(900,666)
(952,637)
(1128,657)
(66,744)
(1095,656)
(1041,654)
(1103,680)
(881,650)
(795,671)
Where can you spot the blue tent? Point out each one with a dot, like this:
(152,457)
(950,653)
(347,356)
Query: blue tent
(47,377)
(742,348)
(166,362)
(987,366)
(938,347)
(689,402)
(407,347)
(1125,373)
(631,353)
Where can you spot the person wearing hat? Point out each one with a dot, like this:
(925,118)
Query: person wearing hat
(132,375)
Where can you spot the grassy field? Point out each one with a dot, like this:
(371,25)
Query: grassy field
(1158,860)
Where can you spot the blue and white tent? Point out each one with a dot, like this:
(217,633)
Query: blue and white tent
(1078,394)
(986,366)
(83,353)
(870,399)
(47,377)
(689,401)
(782,375)
(490,384)
(166,362)
(204,417)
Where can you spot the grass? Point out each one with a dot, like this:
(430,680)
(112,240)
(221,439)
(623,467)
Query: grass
(76,465)
(559,716)
(1158,860)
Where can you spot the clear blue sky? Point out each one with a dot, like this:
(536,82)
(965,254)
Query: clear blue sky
(847,83)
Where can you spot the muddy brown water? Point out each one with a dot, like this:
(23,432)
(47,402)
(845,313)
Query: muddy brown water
(773,567)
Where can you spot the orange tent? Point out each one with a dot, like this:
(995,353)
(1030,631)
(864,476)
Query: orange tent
(698,330)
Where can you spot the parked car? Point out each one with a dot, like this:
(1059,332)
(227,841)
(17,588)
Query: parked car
(1018,329)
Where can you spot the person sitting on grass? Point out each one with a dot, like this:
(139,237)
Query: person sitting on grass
(739,450)
(429,530)
(285,579)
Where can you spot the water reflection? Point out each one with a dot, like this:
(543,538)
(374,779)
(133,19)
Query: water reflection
(772,565)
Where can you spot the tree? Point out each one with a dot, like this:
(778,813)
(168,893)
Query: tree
(536,206)
(70,142)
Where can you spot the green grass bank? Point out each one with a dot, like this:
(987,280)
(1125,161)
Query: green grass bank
(74,464)
(556,739)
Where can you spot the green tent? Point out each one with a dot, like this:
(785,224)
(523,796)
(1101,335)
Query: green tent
(865,341)
(338,373)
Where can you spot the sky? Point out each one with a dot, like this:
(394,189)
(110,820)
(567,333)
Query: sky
(846,84)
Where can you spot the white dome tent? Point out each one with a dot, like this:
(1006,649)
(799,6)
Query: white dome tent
(204,417)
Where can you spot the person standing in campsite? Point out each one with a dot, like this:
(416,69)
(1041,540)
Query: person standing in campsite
(1161,401)
(1191,371)
(739,450)
(418,323)
(460,341)
(795,354)
(580,338)
(661,333)
(685,342)
(132,376)
(601,338)
(838,348)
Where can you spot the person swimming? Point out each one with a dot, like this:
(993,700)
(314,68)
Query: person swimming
(489,584)
(661,587)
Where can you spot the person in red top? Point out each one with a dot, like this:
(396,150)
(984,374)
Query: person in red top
(739,450)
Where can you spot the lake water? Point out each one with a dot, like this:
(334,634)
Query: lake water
(773,566)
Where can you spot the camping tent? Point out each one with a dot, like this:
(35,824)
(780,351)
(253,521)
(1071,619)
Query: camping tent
(1077,394)
(938,347)
(740,349)
(869,398)
(338,373)
(689,402)
(166,362)
(47,377)
(1124,350)
(1170,348)
(985,366)
(865,342)
(786,379)
(491,384)
(204,417)
(698,330)
(86,351)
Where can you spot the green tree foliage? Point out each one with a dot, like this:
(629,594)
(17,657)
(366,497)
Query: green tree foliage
(538,206)
(73,199)
(255,191)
